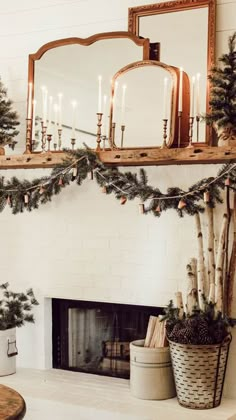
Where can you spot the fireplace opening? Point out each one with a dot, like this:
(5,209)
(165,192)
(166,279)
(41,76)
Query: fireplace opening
(94,337)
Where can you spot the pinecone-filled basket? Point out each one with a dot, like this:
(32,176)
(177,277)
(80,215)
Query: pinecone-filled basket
(199,372)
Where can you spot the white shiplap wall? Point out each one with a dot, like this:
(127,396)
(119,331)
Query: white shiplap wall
(85,245)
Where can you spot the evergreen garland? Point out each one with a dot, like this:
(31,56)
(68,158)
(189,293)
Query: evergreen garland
(28,195)
(223,89)
(8,119)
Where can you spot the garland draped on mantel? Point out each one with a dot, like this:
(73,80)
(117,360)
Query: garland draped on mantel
(81,163)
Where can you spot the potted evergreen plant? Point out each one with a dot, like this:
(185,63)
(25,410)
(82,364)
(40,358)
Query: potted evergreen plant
(222,115)
(15,311)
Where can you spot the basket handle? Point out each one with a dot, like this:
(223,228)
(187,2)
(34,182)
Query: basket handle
(11,353)
(227,339)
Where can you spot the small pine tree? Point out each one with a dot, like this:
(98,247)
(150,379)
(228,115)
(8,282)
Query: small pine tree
(8,119)
(222,102)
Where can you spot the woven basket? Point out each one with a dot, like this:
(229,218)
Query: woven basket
(199,372)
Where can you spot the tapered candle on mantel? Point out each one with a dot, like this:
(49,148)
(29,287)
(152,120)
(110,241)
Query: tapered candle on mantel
(33,119)
(198,95)
(180,104)
(104,125)
(165,116)
(55,108)
(192,100)
(60,110)
(74,106)
(123,105)
(50,115)
(29,111)
(44,102)
(99,94)
(114,99)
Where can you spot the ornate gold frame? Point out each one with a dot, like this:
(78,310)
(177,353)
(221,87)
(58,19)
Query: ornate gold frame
(82,41)
(172,6)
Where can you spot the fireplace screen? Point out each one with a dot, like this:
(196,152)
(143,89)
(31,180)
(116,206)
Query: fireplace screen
(94,337)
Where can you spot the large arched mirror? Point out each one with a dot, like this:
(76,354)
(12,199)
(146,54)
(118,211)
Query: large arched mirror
(186,32)
(69,83)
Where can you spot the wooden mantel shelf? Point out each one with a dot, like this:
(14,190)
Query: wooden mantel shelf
(128,157)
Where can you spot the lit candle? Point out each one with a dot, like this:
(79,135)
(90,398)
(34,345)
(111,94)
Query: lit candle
(123,105)
(29,101)
(192,97)
(33,119)
(165,99)
(50,115)
(99,94)
(104,125)
(74,105)
(180,106)
(60,110)
(198,95)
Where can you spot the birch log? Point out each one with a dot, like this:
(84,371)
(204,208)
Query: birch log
(191,301)
(226,259)
(232,265)
(179,303)
(201,263)
(211,255)
(219,280)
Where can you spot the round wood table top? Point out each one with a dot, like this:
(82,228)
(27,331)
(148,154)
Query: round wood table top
(12,404)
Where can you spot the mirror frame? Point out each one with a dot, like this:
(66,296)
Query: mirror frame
(134,13)
(142,42)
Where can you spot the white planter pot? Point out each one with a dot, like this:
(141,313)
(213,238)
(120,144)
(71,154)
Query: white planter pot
(8,352)
(151,376)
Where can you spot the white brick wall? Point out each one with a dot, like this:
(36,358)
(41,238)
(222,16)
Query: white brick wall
(84,245)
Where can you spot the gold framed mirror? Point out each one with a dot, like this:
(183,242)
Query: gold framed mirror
(186,32)
(68,82)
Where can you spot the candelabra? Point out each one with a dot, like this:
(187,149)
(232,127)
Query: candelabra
(59,138)
(73,141)
(49,139)
(44,137)
(191,121)
(122,135)
(104,138)
(179,127)
(197,120)
(164,144)
(99,125)
(28,135)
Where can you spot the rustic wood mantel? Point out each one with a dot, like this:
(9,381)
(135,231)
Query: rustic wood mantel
(128,157)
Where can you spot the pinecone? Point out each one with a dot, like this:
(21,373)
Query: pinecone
(203,331)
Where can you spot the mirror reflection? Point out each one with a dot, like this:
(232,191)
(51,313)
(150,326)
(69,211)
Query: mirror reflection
(71,84)
(143,98)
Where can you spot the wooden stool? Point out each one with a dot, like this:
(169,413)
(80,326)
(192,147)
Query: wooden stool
(12,405)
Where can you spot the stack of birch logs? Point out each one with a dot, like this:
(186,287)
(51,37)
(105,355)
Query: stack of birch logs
(211,279)
(156,333)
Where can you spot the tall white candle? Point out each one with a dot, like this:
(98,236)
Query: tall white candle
(123,105)
(99,94)
(74,106)
(114,100)
(198,95)
(44,102)
(55,108)
(29,111)
(192,100)
(33,119)
(60,110)
(165,99)
(50,115)
(180,105)
(104,125)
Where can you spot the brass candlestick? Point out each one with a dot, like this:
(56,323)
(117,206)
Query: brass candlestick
(44,137)
(104,138)
(113,132)
(179,128)
(191,121)
(197,120)
(73,141)
(55,146)
(59,138)
(99,125)
(49,139)
(28,135)
(164,144)
(122,135)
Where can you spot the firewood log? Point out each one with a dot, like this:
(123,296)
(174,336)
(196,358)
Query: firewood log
(210,291)
(219,277)
(192,300)
(201,262)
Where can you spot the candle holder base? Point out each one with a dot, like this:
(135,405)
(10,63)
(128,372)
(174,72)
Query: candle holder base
(122,136)
(164,144)
(191,121)
(99,125)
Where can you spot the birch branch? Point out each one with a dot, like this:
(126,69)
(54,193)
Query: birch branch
(232,265)
(220,264)
(192,300)
(201,264)
(179,303)
(211,255)
(226,276)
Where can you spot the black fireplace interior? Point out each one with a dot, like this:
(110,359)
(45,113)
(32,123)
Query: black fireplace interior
(94,337)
